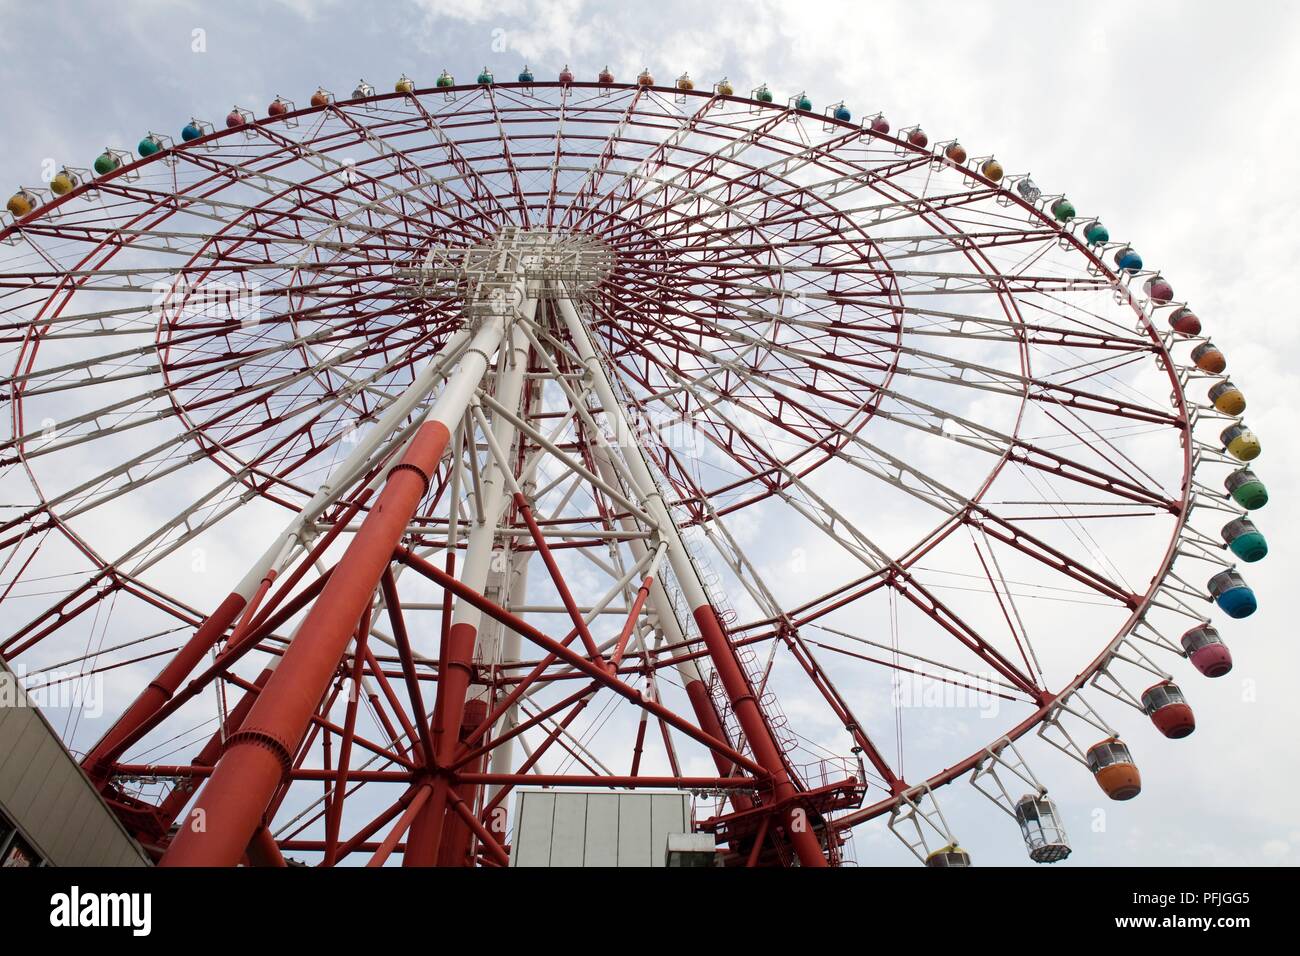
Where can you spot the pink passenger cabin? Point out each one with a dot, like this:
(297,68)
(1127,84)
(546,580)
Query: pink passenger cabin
(1207,652)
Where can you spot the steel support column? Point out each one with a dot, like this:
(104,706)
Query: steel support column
(230,808)
(434,827)
(753,724)
(262,575)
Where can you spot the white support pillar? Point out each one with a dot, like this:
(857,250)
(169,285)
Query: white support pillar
(688,669)
(354,464)
(493,485)
(645,487)
(744,704)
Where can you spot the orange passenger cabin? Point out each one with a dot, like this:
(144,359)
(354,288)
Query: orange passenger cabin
(1113,767)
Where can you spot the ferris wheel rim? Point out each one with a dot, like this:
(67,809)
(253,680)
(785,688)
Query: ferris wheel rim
(1160,352)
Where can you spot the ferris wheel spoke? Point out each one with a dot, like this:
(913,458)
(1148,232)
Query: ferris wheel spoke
(208,208)
(903,581)
(557,163)
(834,187)
(944,672)
(508,156)
(1033,388)
(348,345)
(79,504)
(983,376)
(257,218)
(1008,533)
(116,576)
(733,275)
(781,170)
(901,248)
(1122,464)
(348,326)
(594,175)
(1099,368)
(976,436)
(192,331)
(327,168)
(705,402)
(830,520)
(879,214)
(986,329)
(749,375)
(781,229)
(234,321)
(931,208)
(930,605)
(719,240)
(824,233)
(975,327)
(714,216)
(1016,331)
(910,206)
(144,416)
(973,435)
(603,210)
(480,193)
(979,683)
(157,296)
(191,246)
(1007,605)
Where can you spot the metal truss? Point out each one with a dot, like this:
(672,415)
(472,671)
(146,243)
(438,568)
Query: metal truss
(410,449)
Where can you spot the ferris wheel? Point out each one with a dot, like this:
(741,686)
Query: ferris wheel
(389,456)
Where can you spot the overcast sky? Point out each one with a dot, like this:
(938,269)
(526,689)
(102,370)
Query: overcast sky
(1175,121)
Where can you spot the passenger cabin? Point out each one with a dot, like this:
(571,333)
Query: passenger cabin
(950,855)
(1168,709)
(1234,597)
(1207,652)
(1246,489)
(1040,824)
(1113,767)
(1240,442)
(1244,540)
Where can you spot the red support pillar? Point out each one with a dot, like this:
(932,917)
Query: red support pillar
(758,733)
(230,808)
(456,833)
(425,839)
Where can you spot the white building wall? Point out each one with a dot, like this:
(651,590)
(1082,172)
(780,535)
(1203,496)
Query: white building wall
(45,793)
(596,827)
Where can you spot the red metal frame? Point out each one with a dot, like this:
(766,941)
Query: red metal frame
(684,270)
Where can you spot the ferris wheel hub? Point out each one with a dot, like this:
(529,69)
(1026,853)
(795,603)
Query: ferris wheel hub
(570,261)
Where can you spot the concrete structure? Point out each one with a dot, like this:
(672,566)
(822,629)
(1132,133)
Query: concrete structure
(50,814)
(597,827)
